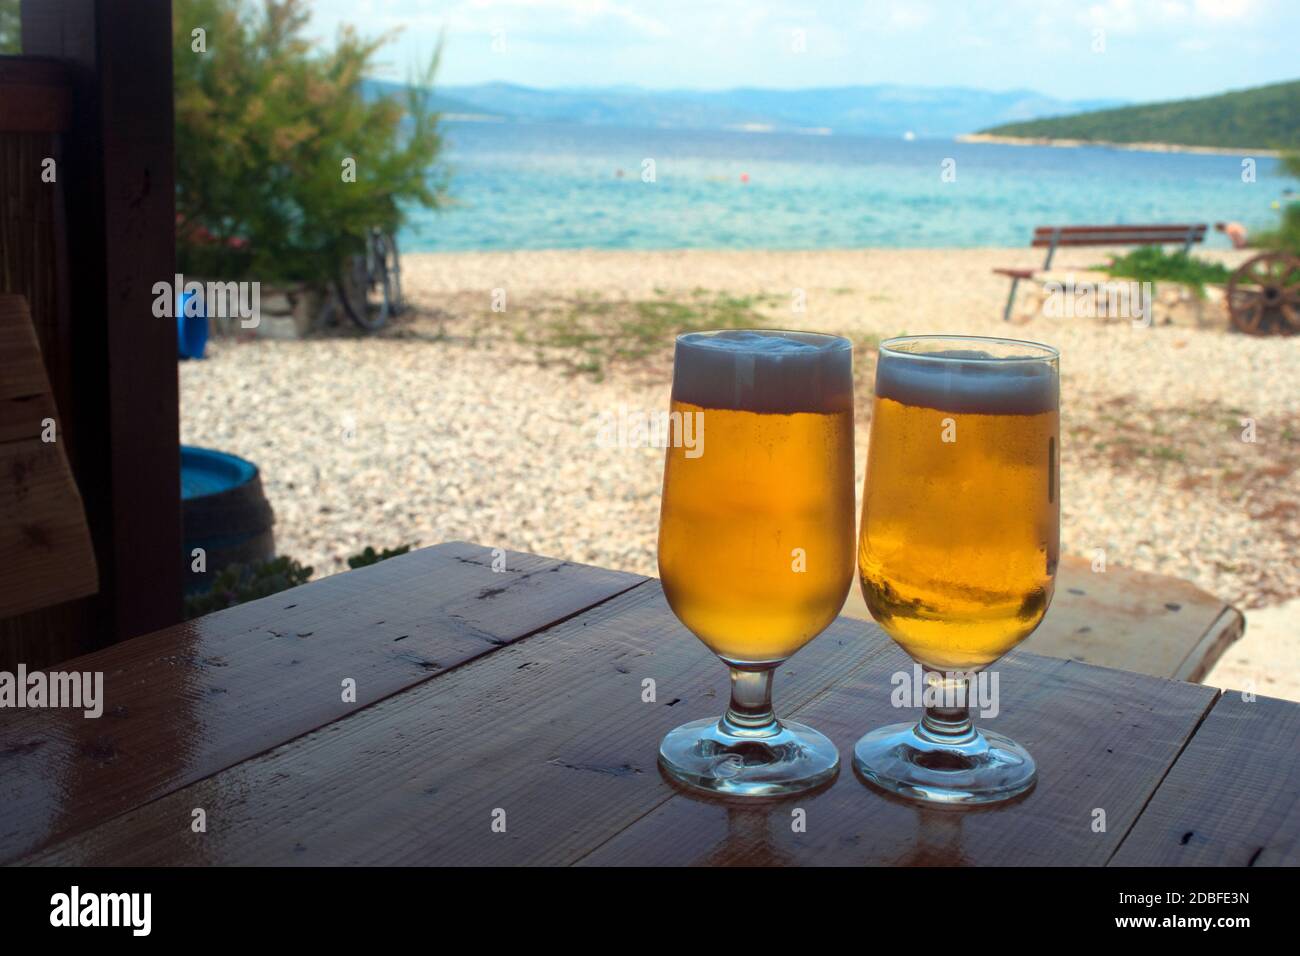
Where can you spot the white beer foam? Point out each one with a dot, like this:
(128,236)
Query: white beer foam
(968,381)
(764,371)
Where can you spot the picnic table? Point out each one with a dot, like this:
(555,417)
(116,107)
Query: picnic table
(501,716)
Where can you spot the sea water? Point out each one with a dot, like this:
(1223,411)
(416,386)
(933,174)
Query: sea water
(548,186)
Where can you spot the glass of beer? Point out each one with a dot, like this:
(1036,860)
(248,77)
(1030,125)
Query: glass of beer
(958,547)
(756,540)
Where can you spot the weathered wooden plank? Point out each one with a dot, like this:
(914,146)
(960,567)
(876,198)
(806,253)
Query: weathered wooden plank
(1225,631)
(1045,236)
(46,555)
(24,378)
(1131,620)
(45,551)
(1102,740)
(1177,229)
(1233,797)
(188,701)
(553,731)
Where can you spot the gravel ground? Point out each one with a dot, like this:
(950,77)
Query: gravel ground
(465,422)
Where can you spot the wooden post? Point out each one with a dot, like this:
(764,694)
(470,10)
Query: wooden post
(118,179)
(1051,250)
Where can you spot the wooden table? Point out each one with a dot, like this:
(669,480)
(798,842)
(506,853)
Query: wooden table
(485,696)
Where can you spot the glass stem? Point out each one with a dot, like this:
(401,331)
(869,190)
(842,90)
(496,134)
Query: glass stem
(750,712)
(948,722)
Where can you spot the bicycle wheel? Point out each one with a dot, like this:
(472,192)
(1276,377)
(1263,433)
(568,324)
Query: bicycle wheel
(363,292)
(386,253)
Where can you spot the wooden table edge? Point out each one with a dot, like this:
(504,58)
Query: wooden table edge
(1227,629)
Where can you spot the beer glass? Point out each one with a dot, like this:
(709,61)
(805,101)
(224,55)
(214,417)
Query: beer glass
(756,539)
(958,548)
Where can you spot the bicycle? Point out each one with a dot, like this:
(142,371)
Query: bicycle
(370,288)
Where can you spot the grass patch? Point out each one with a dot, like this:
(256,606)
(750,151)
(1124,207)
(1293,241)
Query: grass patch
(1165,453)
(591,334)
(870,341)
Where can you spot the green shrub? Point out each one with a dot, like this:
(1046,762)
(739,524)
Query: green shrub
(240,583)
(1152,264)
(264,122)
(1286,236)
(10,28)
(369,556)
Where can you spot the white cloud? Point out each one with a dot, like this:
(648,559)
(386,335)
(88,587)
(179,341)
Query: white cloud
(1154,48)
(1225,9)
(1121,16)
(896,16)
(584,14)
(909,17)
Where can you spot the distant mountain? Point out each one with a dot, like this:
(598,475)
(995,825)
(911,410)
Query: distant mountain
(871,110)
(1265,117)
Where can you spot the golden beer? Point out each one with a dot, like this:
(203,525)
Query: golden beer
(756,540)
(756,534)
(960,520)
(958,548)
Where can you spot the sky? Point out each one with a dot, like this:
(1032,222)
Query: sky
(1138,50)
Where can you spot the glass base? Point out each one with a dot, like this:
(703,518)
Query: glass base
(704,755)
(981,768)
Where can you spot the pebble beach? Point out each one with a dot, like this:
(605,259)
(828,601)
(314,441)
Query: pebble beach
(478,416)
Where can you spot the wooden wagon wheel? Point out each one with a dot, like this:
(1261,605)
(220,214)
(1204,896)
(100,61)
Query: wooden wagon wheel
(1264,294)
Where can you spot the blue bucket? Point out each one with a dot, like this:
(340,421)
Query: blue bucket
(191,330)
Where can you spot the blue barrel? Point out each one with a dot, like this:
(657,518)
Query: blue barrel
(191,330)
(224,512)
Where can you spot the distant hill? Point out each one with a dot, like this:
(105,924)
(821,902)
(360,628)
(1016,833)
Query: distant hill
(441,102)
(871,110)
(1265,117)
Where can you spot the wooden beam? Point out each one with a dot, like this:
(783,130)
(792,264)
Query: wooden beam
(119,180)
(35,95)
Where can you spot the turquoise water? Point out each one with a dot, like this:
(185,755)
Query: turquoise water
(520,186)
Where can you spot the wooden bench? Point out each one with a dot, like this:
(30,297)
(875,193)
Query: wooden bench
(1130,620)
(1052,238)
